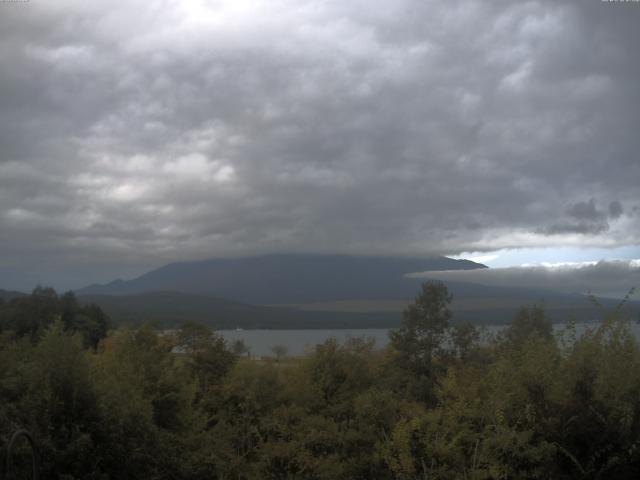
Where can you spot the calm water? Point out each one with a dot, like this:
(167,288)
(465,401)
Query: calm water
(297,342)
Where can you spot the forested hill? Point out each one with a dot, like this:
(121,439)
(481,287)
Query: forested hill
(9,294)
(170,309)
(273,279)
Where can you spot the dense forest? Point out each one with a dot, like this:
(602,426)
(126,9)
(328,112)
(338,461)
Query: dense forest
(438,402)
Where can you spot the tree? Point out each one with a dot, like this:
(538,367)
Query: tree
(424,325)
(145,399)
(419,339)
(239,347)
(464,338)
(280,351)
(89,320)
(30,316)
(209,358)
(528,321)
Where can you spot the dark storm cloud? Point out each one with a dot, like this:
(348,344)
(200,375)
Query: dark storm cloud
(143,132)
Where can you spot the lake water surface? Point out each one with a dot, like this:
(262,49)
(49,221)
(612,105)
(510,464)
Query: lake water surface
(297,342)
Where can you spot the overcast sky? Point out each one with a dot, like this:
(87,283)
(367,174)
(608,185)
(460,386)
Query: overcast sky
(141,132)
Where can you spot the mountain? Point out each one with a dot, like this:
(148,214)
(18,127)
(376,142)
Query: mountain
(315,291)
(273,279)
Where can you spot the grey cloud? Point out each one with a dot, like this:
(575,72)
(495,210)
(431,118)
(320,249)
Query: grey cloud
(591,221)
(587,219)
(615,209)
(607,278)
(595,228)
(585,211)
(406,127)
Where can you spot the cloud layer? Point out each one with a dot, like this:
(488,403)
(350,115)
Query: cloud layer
(607,278)
(141,132)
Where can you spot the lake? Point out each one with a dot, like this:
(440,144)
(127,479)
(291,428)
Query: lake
(297,342)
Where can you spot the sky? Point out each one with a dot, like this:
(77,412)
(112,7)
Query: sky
(137,133)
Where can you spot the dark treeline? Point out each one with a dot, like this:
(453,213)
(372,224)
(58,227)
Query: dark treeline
(437,403)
